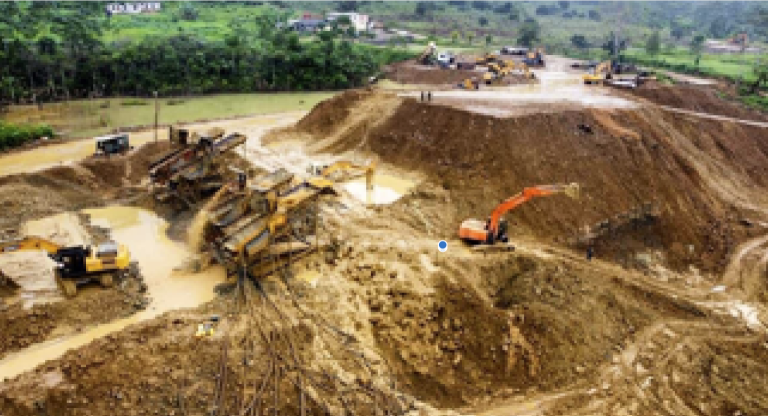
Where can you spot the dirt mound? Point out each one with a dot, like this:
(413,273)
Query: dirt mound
(410,73)
(23,327)
(327,115)
(623,159)
(697,98)
(141,158)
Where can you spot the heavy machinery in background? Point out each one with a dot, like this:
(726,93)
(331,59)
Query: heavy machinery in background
(192,168)
(488,58)
(497,71)
(601,72)
(77,265)
(428,57)
(494,229)
(469,84)
(255,227)
(112,144)
(535,58)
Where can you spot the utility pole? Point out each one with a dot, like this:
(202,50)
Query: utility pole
(155,116)
(617,34)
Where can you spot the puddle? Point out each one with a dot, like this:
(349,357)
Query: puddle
(386,189)
(145,235)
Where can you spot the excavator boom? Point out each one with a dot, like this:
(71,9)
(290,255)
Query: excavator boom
(30,243)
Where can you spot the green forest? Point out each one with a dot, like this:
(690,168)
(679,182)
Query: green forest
(58,50)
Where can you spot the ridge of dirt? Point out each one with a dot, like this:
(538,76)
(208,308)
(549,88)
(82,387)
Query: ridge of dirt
(703,99)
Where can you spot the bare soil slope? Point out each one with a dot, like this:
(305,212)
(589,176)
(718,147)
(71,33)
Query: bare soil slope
(640,185)
(703,99)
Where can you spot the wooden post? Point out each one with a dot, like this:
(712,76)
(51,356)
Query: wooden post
(155,93)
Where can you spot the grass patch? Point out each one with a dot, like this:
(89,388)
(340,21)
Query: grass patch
(84,118)
(755,101)
(133,102)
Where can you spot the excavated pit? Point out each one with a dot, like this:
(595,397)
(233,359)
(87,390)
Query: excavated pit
(672,205)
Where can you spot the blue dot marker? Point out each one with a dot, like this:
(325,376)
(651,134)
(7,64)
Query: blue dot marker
(442,246)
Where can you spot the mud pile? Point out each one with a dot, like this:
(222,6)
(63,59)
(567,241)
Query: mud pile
(622,159)
(697,98)
(411,73)
(23,327)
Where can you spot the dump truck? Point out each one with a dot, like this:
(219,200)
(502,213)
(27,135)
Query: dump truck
(77,265)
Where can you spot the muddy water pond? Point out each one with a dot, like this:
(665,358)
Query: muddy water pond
(145,235)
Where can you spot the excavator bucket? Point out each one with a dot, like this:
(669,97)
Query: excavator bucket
(573,190)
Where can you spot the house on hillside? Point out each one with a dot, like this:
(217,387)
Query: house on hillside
(728,46)
(133,8)
(308,22)
(359,21)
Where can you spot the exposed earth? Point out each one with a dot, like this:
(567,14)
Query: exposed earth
(668,318)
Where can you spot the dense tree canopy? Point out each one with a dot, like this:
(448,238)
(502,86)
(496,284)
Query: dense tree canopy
(74,62)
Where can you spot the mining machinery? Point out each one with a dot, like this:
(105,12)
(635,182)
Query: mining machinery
(77,265)
(193,167)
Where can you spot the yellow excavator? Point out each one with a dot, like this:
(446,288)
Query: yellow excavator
(496,73)
(494,229)
(469,84)
(487,59)
(600,73)
(78,264)
(343,169)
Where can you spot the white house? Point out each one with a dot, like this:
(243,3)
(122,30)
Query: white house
(133,8)
(359,21)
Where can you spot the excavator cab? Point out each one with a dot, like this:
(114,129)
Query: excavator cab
(71,261)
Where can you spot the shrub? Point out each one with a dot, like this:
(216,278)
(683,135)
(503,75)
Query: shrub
(14,135)
(134,101)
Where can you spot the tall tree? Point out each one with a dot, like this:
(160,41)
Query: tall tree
(697,45)
(529,34)
(653,44)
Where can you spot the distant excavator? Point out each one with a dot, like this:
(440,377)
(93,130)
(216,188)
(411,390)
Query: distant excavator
(535,58)
(495,228)
(601,72)
(428,56)
(469,84)
(77,265)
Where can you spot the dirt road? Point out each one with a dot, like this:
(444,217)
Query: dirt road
(72,151)
(714,116)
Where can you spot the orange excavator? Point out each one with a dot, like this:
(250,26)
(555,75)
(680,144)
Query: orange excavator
(495,228)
